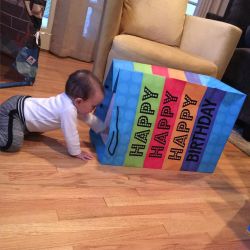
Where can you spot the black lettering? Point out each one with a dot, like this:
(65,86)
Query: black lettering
(169,98)
(185,115)
(175,155)
(166,111)
(148,94)
(142,136)
(163,124)
(189,101)
(192,157)
(156,152)
(201,129)
(146,108)
(182,127)
(208,103)
(180,140)
(196,146)
(137,148)
(208,111)
(195,137)
(204,120)
(161,138)
(143,122)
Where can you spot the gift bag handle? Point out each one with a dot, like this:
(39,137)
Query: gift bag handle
(113,134)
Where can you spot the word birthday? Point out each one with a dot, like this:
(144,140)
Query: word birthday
(201,130)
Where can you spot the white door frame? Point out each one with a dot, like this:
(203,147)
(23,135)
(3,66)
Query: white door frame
(46,33)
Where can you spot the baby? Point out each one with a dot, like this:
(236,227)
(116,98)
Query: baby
(23,114)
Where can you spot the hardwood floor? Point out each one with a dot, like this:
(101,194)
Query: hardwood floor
(49,200)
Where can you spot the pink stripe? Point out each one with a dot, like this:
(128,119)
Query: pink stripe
(158,70)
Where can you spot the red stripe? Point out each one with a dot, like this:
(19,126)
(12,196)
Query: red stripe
(175,88)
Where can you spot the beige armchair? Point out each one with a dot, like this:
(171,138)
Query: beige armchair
(159,32)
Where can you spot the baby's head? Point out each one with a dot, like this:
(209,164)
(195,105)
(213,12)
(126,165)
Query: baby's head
(85,90)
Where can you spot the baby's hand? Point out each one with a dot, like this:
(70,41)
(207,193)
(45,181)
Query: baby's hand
(84,156)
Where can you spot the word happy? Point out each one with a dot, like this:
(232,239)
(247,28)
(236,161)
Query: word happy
(182,126)
(143,122)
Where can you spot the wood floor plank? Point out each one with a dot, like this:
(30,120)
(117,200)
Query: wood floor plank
(35,192)
(232,245)
(29,217)
(58,248)
(70,236)
(149,242)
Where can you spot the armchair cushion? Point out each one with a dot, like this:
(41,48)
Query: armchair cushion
(161,21)
(142,50)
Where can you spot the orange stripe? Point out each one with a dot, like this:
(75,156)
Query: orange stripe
(183,126)
(177,74)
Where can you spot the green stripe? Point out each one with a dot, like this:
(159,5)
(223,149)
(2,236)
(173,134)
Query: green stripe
(144,68)
(155,84)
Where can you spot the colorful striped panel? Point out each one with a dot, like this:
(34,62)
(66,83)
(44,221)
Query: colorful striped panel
(131,123)
(126,99)
(203,126)
(149,100)
(191,98)
(166,117)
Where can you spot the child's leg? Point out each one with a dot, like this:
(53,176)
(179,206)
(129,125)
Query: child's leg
(11,126)
(3,131)
(17,134)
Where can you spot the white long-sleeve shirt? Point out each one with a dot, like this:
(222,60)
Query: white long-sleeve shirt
(46,114)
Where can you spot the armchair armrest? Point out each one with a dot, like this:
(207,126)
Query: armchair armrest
(209,39)
(110,25)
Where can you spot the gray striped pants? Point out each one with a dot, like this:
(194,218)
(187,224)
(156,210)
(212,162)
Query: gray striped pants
(12,129)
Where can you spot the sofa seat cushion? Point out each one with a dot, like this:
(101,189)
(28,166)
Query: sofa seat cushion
(161,20)
(131,48)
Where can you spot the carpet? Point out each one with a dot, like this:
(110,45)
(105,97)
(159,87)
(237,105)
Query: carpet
(236,139)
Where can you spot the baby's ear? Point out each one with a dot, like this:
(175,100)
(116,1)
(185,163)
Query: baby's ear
(78,100)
